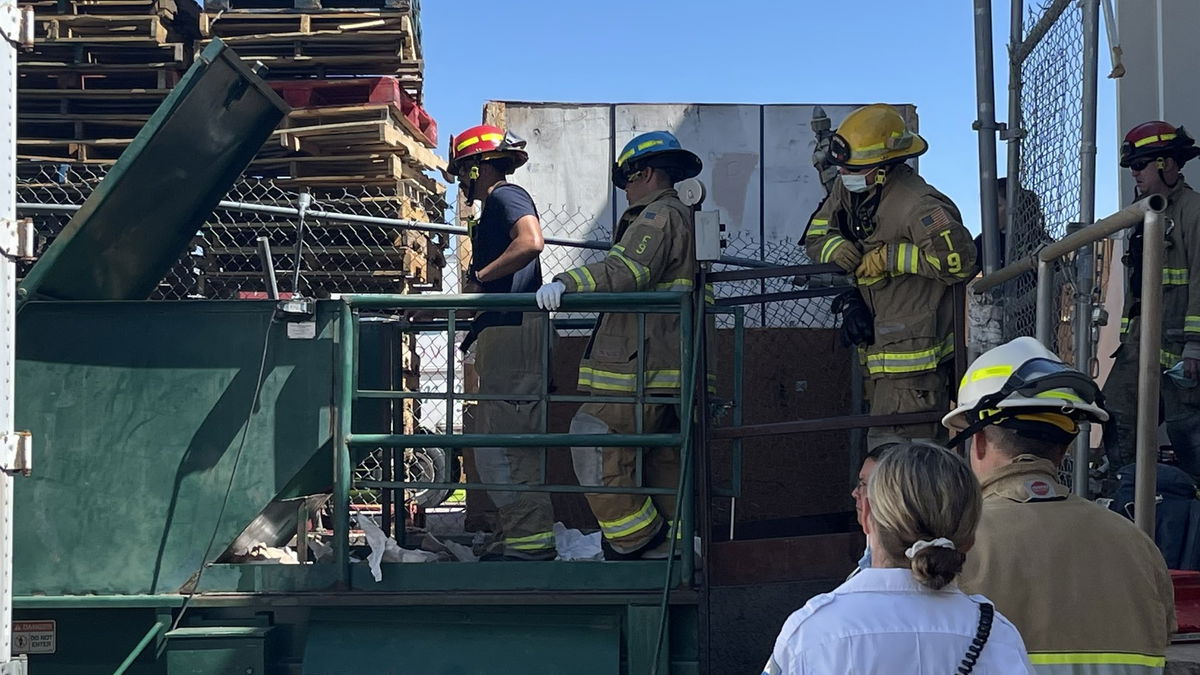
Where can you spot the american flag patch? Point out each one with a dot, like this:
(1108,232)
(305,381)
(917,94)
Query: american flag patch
(938,217)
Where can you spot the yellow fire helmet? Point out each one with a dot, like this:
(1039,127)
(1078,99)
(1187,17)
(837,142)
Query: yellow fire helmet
(874,135)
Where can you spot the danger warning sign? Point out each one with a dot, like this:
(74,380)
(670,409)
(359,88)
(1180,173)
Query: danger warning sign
(34,637)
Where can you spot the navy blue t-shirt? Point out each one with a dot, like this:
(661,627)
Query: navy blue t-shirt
(492,234)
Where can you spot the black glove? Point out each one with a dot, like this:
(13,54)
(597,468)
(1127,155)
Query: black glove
(858,324)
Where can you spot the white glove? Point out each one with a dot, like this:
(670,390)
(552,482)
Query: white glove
(549,296)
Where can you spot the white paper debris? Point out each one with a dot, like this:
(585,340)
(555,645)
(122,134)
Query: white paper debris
(575,545)
(385,549)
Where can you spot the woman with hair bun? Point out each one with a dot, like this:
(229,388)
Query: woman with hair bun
(905,613)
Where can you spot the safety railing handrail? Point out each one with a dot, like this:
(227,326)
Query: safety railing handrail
(640,303)
(1149,212)
(1101,229)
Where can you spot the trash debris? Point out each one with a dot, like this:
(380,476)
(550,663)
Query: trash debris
(458,551)
(385,549)
(575,545)
(261,553)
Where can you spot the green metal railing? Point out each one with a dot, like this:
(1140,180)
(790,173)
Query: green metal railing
(641,304)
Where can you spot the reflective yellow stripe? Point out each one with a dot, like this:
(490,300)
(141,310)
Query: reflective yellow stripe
(934,262)
(1153,139)
(533,542)
(1167,359)
(582,285)
(632,523)
(675,285)
(1059,393)
(830,246)
(1191,324)
(475,139)
(986,373)
(641,273)
(906,261)
(641,146)
(1175,276)
(668,378)
(818,227)
(1096,658)
(1125,325)
(909,362)
(873,150)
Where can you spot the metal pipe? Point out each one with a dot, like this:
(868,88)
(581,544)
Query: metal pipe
(775,271)
(824,424)
(1039,30)
(644,301)
(985,125)
(1015,132)
(342,469)
(268,267)
(1150,373)
(8,353)
(420,226)
(302,205)
(1045,303)
(1126,217)
(1114,42)
(1085,259)
(563,440)
(140,647)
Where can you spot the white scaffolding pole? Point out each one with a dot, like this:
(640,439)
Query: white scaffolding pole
(13,447)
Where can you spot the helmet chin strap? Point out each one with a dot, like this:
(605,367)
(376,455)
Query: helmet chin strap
(1161,165)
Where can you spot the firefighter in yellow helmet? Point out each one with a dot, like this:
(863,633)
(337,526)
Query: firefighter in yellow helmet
(905,245)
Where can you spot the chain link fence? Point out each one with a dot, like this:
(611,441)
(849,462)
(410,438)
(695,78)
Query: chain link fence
(1047,189)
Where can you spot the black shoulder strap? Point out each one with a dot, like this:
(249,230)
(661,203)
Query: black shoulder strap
(986,613)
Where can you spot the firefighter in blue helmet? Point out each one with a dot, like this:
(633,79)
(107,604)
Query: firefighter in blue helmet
(654,250)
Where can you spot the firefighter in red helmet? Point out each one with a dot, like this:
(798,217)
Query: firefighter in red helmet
(506,246)
(1155,153)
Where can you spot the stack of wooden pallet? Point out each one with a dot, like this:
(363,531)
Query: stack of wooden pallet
(353,74)
(98,70)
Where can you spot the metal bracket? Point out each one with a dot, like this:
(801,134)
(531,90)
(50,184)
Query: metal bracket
(17,449)
(1007,134)
(18,666)
(297,309)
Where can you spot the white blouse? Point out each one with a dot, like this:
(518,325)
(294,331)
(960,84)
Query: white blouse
(884,621)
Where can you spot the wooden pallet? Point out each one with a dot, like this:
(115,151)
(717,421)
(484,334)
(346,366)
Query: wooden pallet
(85,101)
(71,127)
(356,137)
(123,77)
(366,112)
(331,54)
(74,55)
(306,5)
(241,23)
(101,29)
(384,168)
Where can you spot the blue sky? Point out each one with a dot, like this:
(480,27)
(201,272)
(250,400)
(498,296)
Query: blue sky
(753,51)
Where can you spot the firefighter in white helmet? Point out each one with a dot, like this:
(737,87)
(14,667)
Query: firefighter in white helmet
(1088,590)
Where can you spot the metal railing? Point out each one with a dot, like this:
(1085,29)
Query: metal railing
(1148,212)
(640,304)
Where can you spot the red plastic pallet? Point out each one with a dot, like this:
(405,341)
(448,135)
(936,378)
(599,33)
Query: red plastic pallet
(358,90)
(1187,600)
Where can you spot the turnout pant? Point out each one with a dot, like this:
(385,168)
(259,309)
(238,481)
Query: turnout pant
(629,522)
(509,361)
(922,392)
(1178,408)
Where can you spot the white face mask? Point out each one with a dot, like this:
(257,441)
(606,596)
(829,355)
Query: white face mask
(855,182)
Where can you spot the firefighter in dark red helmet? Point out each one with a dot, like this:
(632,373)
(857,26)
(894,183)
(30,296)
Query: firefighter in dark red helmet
(1155,153)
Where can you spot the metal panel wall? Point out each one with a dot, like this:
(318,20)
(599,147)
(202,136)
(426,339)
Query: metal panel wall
(757,168)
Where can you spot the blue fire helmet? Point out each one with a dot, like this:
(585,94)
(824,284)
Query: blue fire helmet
(656,149)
